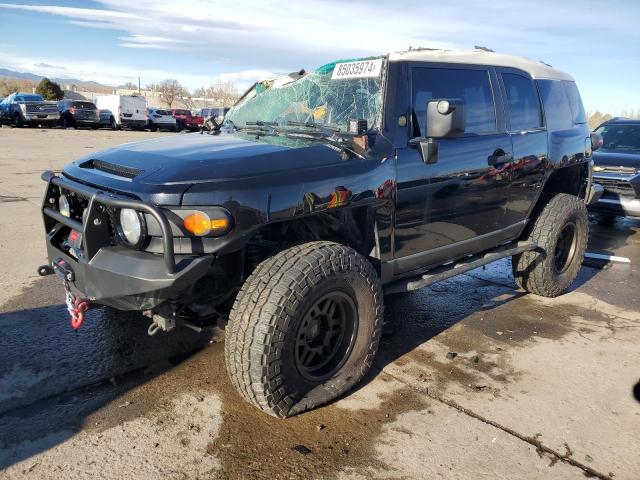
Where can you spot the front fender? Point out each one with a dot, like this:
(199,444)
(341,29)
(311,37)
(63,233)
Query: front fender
(256,202)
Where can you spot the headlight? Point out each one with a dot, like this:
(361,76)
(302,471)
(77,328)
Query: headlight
(131,227)
(64,206)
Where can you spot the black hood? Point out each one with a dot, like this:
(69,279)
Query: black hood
(604,158)
(169,165)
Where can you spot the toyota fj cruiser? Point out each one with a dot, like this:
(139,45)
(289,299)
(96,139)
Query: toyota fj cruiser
(320,192)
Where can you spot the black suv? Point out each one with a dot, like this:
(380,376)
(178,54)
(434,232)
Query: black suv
(76,113)
(617,168)
(322,191)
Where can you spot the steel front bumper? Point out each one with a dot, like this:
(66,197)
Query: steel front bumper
(118,276)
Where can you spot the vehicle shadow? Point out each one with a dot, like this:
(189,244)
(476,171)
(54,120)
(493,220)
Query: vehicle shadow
(52,379)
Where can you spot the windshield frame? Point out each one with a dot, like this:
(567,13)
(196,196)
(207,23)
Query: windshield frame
(380,116)
(633,150)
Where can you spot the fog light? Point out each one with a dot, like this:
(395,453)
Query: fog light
(130,226)
(64,206)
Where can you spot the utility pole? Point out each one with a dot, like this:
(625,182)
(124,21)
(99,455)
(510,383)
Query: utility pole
(139,92)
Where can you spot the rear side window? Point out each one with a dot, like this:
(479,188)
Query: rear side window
(472,86)
(556,105)
(523,102)
(575,102)
(84,105)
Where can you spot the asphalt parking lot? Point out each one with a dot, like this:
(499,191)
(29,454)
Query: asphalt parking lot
(479,380)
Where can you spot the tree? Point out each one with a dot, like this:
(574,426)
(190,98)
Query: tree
(130,86)
(170,90)
(12,85)
(597,118)
(49,90)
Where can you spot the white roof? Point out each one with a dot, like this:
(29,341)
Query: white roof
(481,57)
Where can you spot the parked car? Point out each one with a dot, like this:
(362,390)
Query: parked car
(76,113)
(185,120)
(319,193)
(107,119)
(159,119)
(20,109)
(617,168)
(127,110)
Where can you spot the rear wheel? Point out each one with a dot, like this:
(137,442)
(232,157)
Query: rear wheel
(304,328)
(560,231)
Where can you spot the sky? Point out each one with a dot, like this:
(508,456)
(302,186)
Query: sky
(200,42)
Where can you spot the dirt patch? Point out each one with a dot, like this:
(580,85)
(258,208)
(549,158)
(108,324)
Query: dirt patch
(10,199)
(318,444)
(251,444)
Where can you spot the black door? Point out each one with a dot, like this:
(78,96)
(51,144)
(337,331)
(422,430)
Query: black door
(458,204)
(529,142)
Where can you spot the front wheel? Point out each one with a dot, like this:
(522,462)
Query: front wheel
(304,328)
(560,231)
(114,125)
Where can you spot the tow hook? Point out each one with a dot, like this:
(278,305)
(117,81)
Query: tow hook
(76,308)
(158,322)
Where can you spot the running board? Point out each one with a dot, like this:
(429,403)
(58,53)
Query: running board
(456,268)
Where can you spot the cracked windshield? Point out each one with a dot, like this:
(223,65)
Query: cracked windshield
(329,96)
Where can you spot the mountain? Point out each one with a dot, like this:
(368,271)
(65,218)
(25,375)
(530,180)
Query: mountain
(80,84)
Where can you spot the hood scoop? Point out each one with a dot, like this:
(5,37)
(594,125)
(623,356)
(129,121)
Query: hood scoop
(112,168)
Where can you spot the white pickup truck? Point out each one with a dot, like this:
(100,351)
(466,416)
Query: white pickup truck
(126,110)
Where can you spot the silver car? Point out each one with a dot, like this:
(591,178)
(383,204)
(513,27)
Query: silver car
(158,119)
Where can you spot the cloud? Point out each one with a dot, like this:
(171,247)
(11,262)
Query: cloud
(48,65)
(117,74)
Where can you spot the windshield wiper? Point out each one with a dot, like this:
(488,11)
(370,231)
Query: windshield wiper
(325,130)
(268,127)
(333,136)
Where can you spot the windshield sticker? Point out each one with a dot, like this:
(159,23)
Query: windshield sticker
(361,69)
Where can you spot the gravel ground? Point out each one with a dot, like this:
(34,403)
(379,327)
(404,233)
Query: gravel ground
(537,388)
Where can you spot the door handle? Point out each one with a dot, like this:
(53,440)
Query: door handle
(499,157)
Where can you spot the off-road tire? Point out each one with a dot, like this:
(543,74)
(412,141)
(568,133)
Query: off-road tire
(536,271)
(267,316)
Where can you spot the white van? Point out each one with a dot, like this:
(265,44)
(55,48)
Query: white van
(126,110)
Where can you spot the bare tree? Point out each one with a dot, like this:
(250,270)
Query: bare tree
(597,118)
(170,90)
(225,93)
(130,86)
(12,85)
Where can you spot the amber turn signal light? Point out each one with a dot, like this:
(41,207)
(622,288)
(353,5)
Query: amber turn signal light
(200,224)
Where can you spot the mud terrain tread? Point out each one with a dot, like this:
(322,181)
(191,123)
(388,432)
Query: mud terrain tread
(261,312)
(532,270)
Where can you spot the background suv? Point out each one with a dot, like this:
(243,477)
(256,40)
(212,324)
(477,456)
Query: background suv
(160,119)
(617,168)
(74,114)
